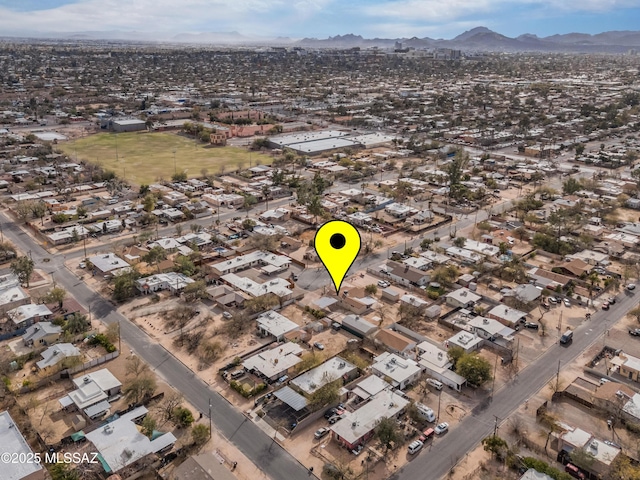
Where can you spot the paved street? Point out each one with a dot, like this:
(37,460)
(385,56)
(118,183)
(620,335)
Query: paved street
(252,441)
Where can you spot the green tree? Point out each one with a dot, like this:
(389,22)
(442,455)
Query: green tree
(579,148)
(248,224)
(445,275)
(248,202)
(195,291)
(371,289)
(325,395)
(149,202)
(76,323)
(200,434)
(183,416)
(39,210)
(180,176)
(23,268)
(571,186)
(124,285)
(56,295)
(635,313)
(455,171)
(156,255)
(59,218)
(494,444)
(474,368)
(454,354)
(503,248)
(185,265)
(388,433)
(63,471)
(148,425)
(459,242)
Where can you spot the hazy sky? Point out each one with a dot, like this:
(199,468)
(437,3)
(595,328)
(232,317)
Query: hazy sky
(320,18)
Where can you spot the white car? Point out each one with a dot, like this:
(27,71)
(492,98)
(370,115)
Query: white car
(631,286)
(567,303)
(383,284)
(441,428)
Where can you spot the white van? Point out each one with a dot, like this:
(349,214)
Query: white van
(434,383)
(425,412)
(415,447)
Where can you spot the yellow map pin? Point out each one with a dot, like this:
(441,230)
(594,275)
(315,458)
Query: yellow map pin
(337,244)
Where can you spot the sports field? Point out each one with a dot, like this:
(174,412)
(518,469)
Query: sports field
(144,158)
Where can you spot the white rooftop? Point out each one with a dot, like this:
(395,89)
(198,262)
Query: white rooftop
(13,442)
(278,286)
(275,323)
(103,378)
(323,374)
(120,443)
(244,261)
(272,362)
(357,424)
(108,262)
(395,367)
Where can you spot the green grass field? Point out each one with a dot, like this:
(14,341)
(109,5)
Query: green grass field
(144,158)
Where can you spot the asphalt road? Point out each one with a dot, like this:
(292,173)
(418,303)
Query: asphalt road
(269,456)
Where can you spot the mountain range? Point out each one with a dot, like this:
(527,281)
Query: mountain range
(479,39)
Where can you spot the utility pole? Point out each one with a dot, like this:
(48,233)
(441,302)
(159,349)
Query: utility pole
(210,420)
(558,378)
(493,382)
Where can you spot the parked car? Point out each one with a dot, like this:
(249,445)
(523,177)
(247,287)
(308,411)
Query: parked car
(321,432)
(611,300)
(553,300)
(415,447)
(531,325)
(605,305)
(566,302)
(631,286)
(383,284)
(635,332)
(426,435)
(330,413)
(356,451)
(226,315)
(441,428)
(335,418)
(318,345)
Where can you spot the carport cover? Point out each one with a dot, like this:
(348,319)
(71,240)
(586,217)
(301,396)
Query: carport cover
(290,397)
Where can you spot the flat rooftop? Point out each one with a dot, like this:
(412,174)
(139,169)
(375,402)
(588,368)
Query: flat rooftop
(12,442)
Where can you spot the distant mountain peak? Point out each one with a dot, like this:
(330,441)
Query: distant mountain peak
(471,33)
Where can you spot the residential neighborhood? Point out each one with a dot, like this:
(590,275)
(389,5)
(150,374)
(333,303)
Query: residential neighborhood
(163,305)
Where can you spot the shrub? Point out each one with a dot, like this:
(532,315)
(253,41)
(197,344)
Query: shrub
(101,339)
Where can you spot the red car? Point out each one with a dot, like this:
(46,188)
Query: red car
(605,305)
(426,435)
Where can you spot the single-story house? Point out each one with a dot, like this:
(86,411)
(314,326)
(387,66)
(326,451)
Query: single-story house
(56,353)
(273,323)
(462,298)
(507,316)
(42,333)
(399,371)
(274,363)
(358,427)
